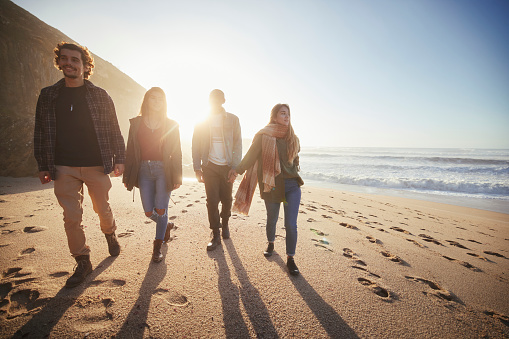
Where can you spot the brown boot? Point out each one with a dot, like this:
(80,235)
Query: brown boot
(169,227)
(157,256)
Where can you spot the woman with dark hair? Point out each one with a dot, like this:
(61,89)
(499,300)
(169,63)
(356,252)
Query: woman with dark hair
(273,161)
(154,162)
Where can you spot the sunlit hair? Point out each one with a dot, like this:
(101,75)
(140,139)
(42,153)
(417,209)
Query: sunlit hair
(292,141)
(86,56)
(145,110)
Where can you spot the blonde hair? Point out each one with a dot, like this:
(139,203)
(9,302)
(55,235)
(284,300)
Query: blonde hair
(292,141)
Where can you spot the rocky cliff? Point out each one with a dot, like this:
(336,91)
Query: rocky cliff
(26,66)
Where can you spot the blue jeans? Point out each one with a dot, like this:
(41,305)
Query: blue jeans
(154,194)
(291,207)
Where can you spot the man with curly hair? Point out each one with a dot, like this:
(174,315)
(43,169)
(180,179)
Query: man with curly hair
(77,140)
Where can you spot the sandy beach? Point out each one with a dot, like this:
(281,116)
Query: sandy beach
(371,267)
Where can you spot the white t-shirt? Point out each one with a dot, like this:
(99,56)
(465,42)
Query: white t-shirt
(217,153)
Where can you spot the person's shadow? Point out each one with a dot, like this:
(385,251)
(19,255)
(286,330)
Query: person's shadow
(231,295)
(43,321)
(330,320)
(136,321)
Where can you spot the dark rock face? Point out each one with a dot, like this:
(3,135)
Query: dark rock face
(26,66)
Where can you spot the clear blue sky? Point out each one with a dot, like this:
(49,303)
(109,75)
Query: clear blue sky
(394,73)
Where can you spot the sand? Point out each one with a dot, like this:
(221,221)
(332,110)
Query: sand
(371,267)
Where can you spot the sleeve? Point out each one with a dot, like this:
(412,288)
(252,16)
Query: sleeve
(129,160)
(39,136)
(196,147)
(237,144)
(116,138)
(176,157)
(254,153)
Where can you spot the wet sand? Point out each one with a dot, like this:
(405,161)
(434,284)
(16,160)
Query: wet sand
(371,267)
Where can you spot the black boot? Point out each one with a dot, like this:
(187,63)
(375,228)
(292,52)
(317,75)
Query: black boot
(113,245)
(169,227)
(292,268)
(270,249)
(157,256)
(81,270)
(216,240)
(225,229)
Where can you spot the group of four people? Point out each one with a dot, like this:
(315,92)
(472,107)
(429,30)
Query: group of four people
(77,140)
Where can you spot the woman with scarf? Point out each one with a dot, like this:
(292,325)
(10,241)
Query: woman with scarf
(273,162)
(154,162)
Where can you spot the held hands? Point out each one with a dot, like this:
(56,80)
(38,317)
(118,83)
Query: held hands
(44,177)
(119,169)
(199,176)
(232,175)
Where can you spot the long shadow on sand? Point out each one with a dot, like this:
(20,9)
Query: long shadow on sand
(330,320)
(42,322)
(136,321)
(235,326)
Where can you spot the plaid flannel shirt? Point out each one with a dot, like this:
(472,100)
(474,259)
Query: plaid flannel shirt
(104,117)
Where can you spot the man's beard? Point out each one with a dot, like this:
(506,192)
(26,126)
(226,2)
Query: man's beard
(70,75)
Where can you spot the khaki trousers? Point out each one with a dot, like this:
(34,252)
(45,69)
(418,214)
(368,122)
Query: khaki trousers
(69,192)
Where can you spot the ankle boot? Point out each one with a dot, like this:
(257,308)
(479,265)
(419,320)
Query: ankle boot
(169,227)
(81,270)
(215,241)
(157,256)
(113,245)
(225,229)
(269,250)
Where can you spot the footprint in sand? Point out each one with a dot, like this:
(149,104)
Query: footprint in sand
(190,205)
(477,242)
(478,256)
(352,227)
(311,220)
(437,290)
(495,254)
(428,238)
(464,263)
(12,272)
(173,217)
(171,297)
(415,242)
(5,289)
(127,233)
(183,211)
(380,291)
(503,318)
(326,216)
(365,270)
(23,302)
(318,232)
(27,251)
(352,255)
(373,240)
(392,257)
(92,313)
(399,229)
(457,244)
(34,229)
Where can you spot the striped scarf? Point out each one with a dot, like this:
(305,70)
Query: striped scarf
(271,167)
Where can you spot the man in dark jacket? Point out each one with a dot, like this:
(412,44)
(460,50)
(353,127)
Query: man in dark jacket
(217,150)
(77,141)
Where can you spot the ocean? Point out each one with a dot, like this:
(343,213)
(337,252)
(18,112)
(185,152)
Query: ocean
(477,178)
